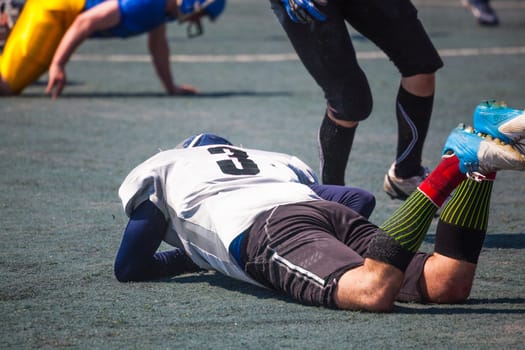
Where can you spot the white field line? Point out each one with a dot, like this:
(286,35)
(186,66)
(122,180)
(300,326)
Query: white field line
(247,58)
(498,5)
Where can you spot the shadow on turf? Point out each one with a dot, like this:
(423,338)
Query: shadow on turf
(149,94)
(501,241)
(469,307)
(146,94)
(497,240)
(218,280)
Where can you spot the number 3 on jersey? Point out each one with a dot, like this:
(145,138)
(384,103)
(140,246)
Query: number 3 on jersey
(228,166)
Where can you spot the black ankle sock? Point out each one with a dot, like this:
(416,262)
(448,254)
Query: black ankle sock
(458,242)
(462,224)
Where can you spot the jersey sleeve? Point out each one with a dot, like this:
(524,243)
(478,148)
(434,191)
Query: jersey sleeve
(305,174)
(137,17)
(135,191)
(302,171)
(143,183)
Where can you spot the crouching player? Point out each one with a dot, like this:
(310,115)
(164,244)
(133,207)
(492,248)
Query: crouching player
(47,33)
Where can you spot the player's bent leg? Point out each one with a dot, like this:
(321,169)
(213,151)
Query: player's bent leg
(446,280)
(34,39)
(303,249)
(335,139)
(414,103)
(370,287)
(357,199)
(448,274)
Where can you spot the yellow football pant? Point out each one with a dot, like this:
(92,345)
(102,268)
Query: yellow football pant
(34,39)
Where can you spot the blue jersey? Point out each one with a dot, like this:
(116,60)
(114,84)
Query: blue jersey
(136,17)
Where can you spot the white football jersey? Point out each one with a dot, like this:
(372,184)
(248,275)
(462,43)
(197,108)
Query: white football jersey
(211,194)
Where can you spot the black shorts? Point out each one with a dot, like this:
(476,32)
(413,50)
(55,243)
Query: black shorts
(327,51)
(303,249)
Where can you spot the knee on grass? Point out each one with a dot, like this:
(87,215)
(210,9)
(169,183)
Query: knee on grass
(452,291)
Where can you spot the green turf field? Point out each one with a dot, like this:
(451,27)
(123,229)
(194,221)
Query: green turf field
(62,162)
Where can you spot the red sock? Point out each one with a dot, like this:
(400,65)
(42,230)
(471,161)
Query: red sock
(443,180)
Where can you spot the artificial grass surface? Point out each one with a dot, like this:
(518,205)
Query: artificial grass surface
(62,162)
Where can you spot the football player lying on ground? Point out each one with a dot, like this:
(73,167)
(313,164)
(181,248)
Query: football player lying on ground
(253,216)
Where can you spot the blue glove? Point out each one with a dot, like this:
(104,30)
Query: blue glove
(304,11)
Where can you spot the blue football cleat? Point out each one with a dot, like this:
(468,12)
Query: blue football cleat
(480,154)
(496,119)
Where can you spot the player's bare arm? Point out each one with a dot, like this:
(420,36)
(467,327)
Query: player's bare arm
(103,16)
(160,54)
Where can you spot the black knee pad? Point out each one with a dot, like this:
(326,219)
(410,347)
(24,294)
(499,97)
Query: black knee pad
(349,105)
(386,249)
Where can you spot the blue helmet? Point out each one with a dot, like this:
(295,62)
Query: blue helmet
(203,139)
(212,8)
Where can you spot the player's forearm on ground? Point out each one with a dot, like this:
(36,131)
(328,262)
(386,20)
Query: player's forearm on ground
(137,259)
(170,263)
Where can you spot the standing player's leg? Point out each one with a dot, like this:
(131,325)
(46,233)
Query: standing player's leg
(395,28)
(327,52)
(414,102)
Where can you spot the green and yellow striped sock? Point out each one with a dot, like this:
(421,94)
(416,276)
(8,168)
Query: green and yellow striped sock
(410,222)
(469,206)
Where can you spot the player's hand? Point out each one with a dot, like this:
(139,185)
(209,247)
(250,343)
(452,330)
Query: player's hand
(184,90)
(57,80)
(305,11)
